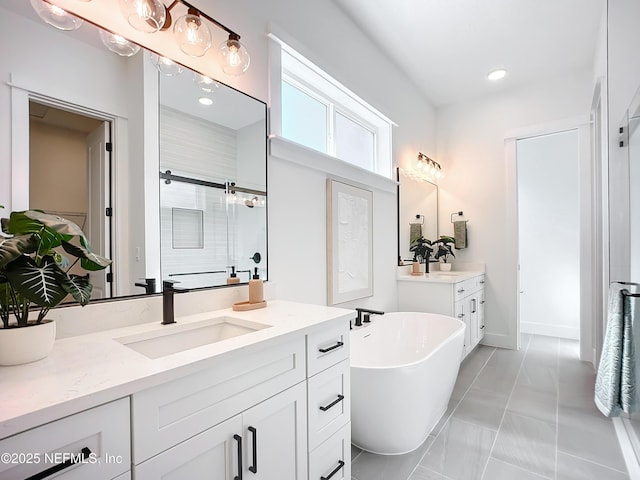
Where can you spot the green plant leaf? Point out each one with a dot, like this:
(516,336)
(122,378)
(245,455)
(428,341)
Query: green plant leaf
(79,287)
(22,224)
(13,247)
(60,225)
(41,284)
(88,260)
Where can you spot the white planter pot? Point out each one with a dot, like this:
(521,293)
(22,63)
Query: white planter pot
(445,267)
(26,344)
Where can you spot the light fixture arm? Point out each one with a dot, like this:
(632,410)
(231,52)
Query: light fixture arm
(201,14)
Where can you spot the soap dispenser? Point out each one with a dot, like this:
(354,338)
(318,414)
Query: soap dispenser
(233,277)
(256,288)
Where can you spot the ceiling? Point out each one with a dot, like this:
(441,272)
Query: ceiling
(447,47)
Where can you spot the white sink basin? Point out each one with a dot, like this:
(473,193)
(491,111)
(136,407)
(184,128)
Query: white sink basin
(178,338)
(447,274)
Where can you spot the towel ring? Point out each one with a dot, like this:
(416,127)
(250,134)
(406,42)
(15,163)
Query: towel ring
(460,214)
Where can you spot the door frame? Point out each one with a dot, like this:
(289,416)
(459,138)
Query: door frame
(20,99)
(583,125)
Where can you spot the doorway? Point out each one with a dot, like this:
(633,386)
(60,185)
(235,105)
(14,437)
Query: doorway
(71,151)
(549,232)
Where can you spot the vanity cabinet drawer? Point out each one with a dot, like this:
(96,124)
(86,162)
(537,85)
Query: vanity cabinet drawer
(329,398)
(327,347)
(175,411)
(334,455)
(93,444)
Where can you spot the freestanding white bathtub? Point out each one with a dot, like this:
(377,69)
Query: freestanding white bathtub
(403,369)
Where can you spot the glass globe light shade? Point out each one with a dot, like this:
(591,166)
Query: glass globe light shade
(234,56)
(192,35)
(206,84)
(166,66)
(56,16)
(118,44)
(146,16)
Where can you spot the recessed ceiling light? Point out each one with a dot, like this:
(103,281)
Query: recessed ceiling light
(497,74)
(205,101)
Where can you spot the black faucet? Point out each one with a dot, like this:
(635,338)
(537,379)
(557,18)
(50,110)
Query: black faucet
(364,315)
(168,312)
(149,285)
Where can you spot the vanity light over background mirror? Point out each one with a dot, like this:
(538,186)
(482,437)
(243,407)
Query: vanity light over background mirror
(66,89)
(417,211)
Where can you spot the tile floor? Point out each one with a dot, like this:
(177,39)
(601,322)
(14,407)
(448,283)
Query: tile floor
(513,415)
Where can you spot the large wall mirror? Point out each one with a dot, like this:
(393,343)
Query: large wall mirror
(417,212)
(165,172)
(634,187)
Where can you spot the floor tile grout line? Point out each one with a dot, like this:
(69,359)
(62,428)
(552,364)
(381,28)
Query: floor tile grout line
(594,463)
(452,412)
(504,413)
(356,457)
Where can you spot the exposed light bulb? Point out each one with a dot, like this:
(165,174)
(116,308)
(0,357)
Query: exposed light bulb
(144,15)
(193,36)
(234,56)
(56,16)
(206,84)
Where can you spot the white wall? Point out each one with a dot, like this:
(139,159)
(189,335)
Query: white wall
(479,181)
(548,170)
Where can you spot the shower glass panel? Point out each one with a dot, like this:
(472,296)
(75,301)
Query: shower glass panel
(195,231)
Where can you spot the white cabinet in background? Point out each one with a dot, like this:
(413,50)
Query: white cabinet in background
(464,300)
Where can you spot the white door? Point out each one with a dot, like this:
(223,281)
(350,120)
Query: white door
(275,437)
(98,231)
(548,182)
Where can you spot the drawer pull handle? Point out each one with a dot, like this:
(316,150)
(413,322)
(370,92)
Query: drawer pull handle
(481,302)
(481,281)
(238,439)
(460,290)
(335,470)
(481,327)
(254,468)
(84,453)
(461,315)
(332,347)
(335,402)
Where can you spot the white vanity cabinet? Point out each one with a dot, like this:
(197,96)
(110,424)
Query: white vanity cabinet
(91,444)
(462,298)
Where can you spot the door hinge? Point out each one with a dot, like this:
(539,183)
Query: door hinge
(110,277)
(108,212)
(109,146)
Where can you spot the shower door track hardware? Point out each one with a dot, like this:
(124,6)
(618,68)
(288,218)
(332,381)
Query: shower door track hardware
(196,273)
(169,177)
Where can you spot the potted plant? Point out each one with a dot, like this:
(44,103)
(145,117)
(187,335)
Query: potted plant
(422,249)
(443,250)
(35,273)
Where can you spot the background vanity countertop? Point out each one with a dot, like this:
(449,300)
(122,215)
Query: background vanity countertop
(89,370)
(440,277)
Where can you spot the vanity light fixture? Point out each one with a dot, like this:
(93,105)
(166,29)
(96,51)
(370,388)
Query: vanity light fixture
(427,168)
(118,44)
(497,74)
(56,16)
(191,31)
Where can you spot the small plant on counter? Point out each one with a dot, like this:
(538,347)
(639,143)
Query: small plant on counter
(444,248)
(33,271)
(422,249)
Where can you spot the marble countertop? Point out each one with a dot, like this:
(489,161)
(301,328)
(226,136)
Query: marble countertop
(440,276)
(89,370)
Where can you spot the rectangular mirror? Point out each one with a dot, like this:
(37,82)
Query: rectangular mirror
(417,212)
(92,136)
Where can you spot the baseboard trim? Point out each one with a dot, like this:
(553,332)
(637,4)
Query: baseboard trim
(630,446)
(498,340)
(534,328)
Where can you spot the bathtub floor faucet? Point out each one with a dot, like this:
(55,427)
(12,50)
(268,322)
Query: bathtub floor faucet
(364,315)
